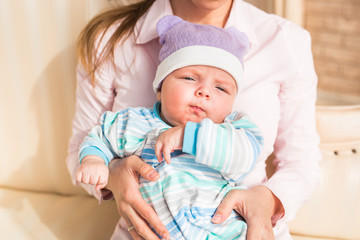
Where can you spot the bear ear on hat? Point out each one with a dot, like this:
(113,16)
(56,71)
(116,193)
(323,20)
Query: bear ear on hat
(167,22)
(243,40)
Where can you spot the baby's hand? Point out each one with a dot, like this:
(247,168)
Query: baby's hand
(93,171)
(168,141)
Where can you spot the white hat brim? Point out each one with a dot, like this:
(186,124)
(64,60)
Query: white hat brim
(199,55)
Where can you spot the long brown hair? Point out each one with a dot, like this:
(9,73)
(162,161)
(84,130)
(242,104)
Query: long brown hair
(87,45)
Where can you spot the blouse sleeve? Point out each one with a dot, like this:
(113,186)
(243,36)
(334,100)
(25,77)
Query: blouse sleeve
(296,150)
(91,102)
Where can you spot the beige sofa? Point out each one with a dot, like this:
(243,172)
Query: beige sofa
(37,94)
(333,211)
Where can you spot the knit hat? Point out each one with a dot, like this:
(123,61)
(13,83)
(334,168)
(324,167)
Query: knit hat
(187,44)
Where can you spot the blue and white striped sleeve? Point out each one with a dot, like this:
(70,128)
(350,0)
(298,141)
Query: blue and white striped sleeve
(231,147)
(101,140)
(120,134)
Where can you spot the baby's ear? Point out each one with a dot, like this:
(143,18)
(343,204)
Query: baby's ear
(158,95)
(167,22)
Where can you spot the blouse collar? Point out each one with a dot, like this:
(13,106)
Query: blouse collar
(239,18)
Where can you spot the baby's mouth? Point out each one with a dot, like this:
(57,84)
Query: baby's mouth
(197,109)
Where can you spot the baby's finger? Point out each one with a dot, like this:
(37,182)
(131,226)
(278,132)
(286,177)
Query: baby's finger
(79,176)
(167,155)
(100,186)
(158,151)
(103,178)
(85,178)
(94,179)
(101,183)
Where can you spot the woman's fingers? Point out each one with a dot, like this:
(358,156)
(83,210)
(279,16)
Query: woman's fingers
(140,215)
(133,233)
(141,226)
(141,229)
(144,169)
(131,206)
(150,216)
(142,207)
(256,205)
(224,209)
(132,216)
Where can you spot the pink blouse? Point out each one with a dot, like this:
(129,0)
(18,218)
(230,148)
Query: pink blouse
(278,92)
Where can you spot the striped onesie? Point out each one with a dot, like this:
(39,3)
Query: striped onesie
(214,160)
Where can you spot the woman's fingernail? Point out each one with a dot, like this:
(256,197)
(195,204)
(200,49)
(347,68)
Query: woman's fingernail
(153,174)
(216,218)
(164,235)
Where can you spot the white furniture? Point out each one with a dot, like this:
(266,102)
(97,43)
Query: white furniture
(334,209)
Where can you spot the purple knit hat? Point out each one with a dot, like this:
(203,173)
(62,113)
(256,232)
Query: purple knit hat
(187,44)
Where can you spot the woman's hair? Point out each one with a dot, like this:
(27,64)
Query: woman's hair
(88,41)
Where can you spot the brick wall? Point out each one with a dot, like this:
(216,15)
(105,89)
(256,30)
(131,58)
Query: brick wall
(335,29)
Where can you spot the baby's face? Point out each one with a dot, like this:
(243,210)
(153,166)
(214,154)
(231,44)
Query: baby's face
(196,92)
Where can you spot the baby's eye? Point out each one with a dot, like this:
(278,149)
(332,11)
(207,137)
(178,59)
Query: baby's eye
(221,89)
(189,78)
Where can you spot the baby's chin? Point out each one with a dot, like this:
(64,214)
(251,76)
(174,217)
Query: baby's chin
(198,120)
(191,119)
(194,118)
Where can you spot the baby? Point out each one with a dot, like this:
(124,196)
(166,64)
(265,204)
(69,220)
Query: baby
(201,149)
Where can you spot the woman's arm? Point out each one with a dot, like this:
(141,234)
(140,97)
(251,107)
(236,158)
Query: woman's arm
(296,151)
(91,102)
(296,148)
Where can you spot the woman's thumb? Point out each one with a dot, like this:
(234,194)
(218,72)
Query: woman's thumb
(145,170)
(224,209)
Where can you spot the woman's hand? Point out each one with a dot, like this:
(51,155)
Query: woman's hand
(124,184)
(257,205)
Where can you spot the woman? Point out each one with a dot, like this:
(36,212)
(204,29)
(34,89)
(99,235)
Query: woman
(116,71)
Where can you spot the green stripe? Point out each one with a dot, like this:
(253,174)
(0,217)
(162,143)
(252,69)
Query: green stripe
(231,231)
(181,179)
(130,138)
